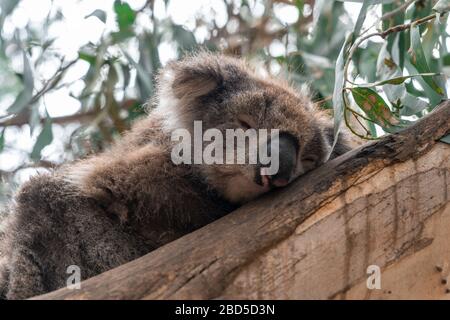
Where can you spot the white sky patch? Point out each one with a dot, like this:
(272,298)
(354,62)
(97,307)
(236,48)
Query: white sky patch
(11,159)
(277,48)
(167,52)
(286,13)
(184,12)
(24,175)
(60,103)
(257,8)
(373,14)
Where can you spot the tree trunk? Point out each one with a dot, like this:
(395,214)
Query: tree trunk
(386,204)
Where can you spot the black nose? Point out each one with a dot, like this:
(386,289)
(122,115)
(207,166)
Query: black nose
(287,157)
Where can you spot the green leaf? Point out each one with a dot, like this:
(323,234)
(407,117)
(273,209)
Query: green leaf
(34,119)
(142,75)
(396,80)
(442,6)
(99,14)
(374,106)
(419,61)
(446,59)
(148,46)
(446,139)
(426,91)
(412,105)
(317,11)
(185,39)
(429,40)
(8,6)
(87,57)
(397,48)
(396,42)
(44,139)
(24,98)
(2,140)
(126,74)
(338,103)
(122,35)
(366,60)
(125,16)
(361,17)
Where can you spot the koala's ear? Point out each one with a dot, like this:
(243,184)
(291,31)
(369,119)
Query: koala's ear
(192,78)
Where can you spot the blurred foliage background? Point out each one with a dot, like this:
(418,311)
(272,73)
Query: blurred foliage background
(74,74)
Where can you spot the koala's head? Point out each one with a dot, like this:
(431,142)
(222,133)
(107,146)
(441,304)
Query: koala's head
(224,93)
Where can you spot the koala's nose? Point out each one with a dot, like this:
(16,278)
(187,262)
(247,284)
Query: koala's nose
(287,159)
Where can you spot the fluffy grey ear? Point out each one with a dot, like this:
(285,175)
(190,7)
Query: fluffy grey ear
(181,83)
(191,77)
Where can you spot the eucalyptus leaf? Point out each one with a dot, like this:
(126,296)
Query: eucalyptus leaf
(34,118)
(337,99)
(398,51)
(419,61)
(90,58)
(125,16)
(425,91)
(143,76)
(442,6)
(412,105)
(388,69)
(2,140)
(185,39)
(122,35)
(446,59)
(317,11)
(24,97)
(374,107)
(125,74)
(99,14)
(8,6)
(362,17)
(43,140)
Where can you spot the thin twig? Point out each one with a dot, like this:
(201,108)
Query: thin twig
(22,120)
(52,82)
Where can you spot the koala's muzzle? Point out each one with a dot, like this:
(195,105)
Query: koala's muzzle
(287,159)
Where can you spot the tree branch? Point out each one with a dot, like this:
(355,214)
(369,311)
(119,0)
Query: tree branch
(23,119)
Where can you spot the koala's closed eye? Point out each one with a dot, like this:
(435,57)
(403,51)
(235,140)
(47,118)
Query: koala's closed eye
(310,158)
(246,122)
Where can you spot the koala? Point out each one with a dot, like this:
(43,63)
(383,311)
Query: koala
(103,211)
